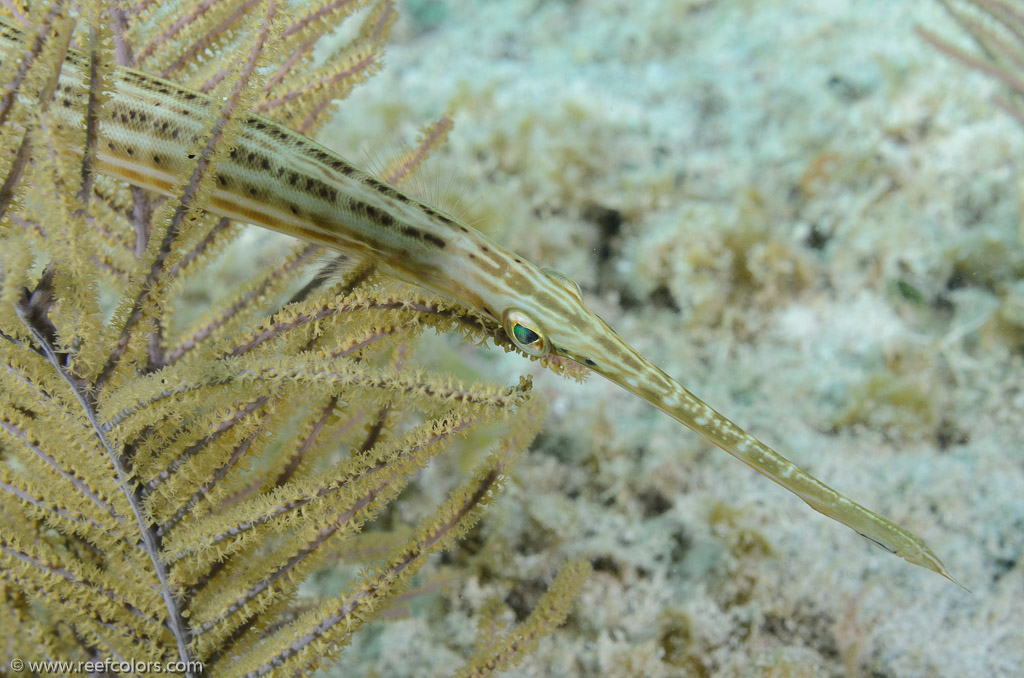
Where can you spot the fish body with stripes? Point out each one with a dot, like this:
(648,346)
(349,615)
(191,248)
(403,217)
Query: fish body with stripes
(278,179)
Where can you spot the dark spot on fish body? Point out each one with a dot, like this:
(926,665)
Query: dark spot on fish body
(422,236)
(432,213)
(383,218)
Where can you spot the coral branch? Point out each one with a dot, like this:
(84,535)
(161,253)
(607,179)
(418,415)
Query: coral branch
(174,619)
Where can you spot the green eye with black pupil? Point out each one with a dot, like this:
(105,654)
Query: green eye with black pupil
(524,335)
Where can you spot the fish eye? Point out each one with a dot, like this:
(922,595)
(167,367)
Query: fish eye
(565,281)
(524,333)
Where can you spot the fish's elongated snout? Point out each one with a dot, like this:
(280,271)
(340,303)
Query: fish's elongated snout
(627,368)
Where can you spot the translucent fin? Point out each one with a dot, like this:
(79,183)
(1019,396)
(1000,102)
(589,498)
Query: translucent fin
(397,163)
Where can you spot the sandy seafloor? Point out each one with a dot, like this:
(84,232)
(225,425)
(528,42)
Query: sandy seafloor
(813,220)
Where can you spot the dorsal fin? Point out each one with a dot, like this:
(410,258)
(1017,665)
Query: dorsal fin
(406,167)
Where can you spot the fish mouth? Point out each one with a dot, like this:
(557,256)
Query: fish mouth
(659,389)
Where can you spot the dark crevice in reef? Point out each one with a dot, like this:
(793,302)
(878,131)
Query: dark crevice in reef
(608,223)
